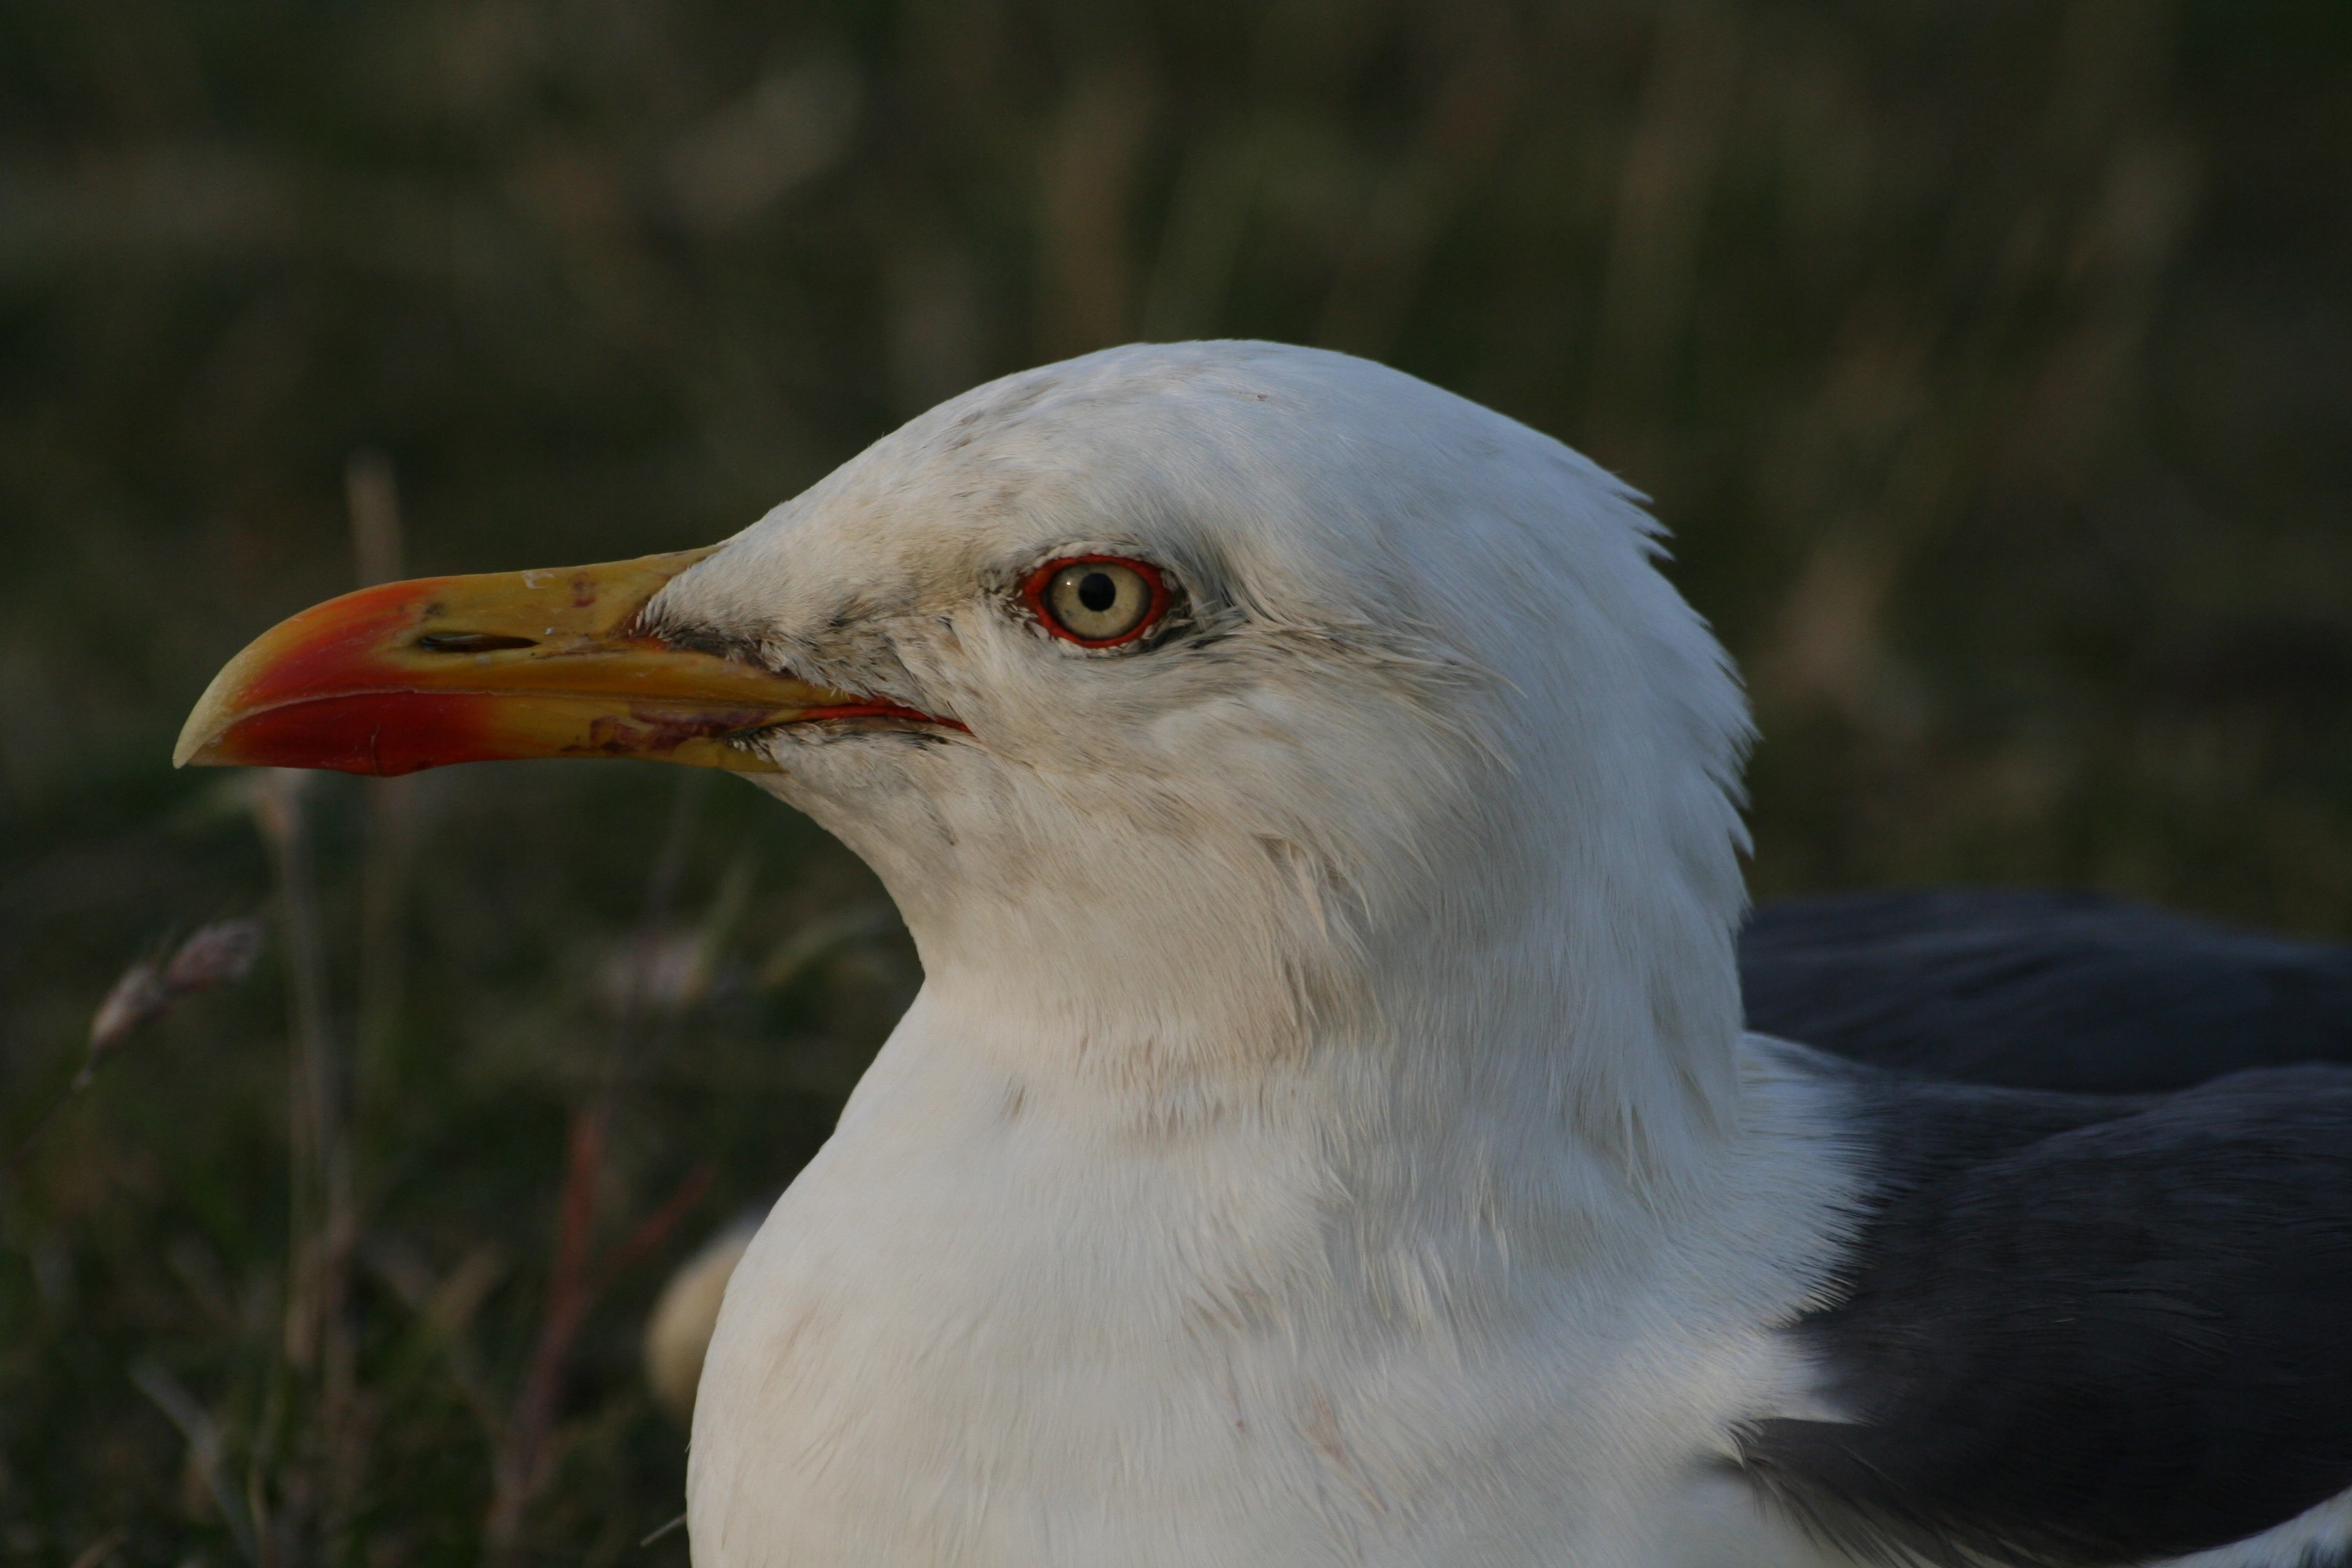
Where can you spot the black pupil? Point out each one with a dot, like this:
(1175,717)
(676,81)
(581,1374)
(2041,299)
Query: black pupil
(1097,592)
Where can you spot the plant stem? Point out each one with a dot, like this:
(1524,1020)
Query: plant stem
(325,1218)
(524,1460)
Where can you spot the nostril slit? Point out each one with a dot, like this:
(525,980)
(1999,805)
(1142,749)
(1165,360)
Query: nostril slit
(471,642)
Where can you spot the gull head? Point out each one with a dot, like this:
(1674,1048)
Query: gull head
(1203,707)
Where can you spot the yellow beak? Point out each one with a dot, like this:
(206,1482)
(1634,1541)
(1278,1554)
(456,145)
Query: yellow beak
(520,664)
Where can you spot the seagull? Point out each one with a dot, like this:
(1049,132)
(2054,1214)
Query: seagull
(1328,1132)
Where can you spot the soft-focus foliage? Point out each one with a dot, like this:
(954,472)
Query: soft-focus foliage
(1993,363)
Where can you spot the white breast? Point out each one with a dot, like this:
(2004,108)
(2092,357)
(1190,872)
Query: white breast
(987,1333)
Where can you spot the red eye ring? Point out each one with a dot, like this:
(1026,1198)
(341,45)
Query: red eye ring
(1034,586)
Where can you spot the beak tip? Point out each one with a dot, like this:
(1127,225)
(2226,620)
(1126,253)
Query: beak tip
(205,730)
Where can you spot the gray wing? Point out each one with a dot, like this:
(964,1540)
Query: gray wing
(2041,989)
(2077,1330)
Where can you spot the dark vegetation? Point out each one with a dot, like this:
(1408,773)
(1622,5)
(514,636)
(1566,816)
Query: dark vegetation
(1993,362)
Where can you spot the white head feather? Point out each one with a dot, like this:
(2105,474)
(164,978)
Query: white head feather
(1430,730)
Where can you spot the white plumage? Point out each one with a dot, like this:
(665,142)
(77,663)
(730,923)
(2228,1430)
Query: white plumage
(1324,1134)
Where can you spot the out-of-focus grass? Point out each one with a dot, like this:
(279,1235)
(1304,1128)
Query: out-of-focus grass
(1993,362)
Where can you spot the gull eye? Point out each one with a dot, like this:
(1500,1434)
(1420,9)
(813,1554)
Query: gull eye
(1096,601)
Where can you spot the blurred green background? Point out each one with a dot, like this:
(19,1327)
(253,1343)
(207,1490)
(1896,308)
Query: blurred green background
(1992,364)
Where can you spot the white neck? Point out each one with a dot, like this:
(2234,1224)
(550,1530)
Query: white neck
(1482,955)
